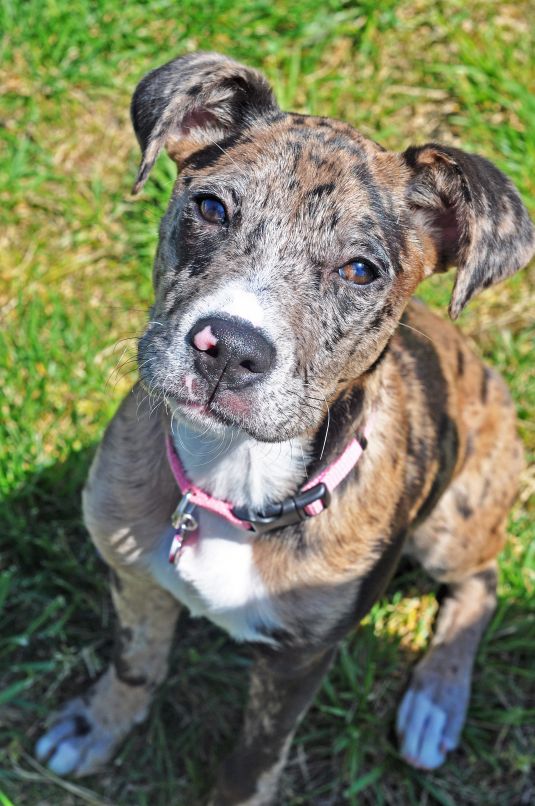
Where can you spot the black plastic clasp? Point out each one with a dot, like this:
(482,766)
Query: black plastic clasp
(288,512)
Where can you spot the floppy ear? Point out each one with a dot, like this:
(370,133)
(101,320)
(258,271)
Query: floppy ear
(192,102)
(474,216)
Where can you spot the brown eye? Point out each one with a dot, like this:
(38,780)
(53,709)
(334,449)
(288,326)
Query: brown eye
(359,272)
(212,210)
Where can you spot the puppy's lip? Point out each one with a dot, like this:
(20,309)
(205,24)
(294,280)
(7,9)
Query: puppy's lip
(195,406)
(190,405)
(199,414)
(205,414)
(226,405)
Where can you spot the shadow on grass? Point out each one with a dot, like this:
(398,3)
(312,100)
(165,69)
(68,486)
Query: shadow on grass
(56,636)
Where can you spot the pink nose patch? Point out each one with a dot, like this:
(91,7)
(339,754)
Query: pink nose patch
(204,339)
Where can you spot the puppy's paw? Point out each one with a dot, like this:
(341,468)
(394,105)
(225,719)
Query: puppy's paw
(430,719)
(75,744)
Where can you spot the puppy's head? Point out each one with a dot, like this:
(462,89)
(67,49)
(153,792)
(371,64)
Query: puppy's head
(292,245)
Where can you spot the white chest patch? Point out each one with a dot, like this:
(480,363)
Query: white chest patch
(216,576)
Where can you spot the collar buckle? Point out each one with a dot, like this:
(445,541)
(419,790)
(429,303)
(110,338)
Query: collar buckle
(183,521)
(182,518)
(287,513)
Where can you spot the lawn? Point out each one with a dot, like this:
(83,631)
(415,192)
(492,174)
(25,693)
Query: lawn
(76,252)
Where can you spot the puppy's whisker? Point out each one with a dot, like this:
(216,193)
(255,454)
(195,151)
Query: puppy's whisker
(223,150)
(410,327)
(135,337)
(130,363)
(326,431)
(117,368)
(147,361)
(303,460)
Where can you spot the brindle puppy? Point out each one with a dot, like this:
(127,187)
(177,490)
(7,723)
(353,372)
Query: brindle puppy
(287,259)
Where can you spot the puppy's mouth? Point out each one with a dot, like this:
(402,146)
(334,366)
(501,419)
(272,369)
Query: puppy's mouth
(212,414)
(193,401)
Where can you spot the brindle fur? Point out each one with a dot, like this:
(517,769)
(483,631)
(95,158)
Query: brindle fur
(304,195)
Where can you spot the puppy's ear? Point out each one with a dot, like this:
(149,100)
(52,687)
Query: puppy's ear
(192,102)
(474,216)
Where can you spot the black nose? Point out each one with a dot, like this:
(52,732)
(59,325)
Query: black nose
(231,351)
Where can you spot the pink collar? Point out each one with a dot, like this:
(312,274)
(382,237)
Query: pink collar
(311,500)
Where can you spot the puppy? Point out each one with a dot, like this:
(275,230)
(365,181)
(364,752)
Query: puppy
(317,423)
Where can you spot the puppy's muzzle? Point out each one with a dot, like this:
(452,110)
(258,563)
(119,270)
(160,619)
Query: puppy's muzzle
(230,352)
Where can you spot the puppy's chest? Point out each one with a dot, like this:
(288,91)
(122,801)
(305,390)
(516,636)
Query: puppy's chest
(215,574)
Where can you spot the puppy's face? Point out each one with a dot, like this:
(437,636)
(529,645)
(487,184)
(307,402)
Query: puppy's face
(296,240)
(287,254)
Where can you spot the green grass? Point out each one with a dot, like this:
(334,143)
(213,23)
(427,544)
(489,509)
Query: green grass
(74,288)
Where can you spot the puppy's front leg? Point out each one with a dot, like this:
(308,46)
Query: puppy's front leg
(283,684)
(128,501)
(87,730)
(433,710)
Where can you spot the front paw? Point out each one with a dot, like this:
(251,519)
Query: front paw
(86,732)
(75,743)
(430,718)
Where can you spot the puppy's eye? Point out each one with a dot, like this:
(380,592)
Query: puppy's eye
(359,272)
(212,210)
